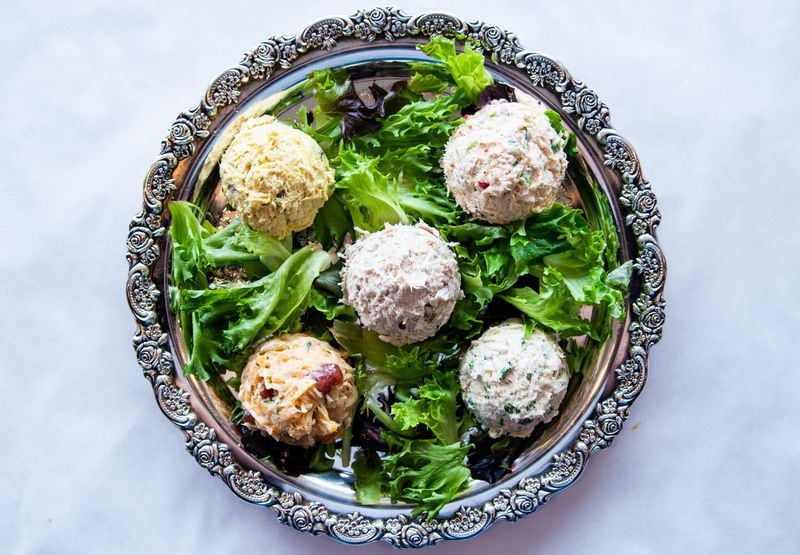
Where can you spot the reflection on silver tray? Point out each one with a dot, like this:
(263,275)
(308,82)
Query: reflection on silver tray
(324,503)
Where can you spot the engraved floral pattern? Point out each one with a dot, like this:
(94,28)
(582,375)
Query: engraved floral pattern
(371,24)
(147,235)
(524,503)
(148,354)
(142,294)
(501,503)
(288,50)
(543,71)
(249,484)
(467,521)
(154,333)
(355,528)
(206,454)
(586,103)
(225,90)
(174,400)
(437,24)
(397,29)
(261,61)
(498,44)
(301,518)
(588,435)
(159,184)
(323,34)
(563,465)
(630,378)
(413,535)
(593,126)
(619,156)
(225,456)
(568,98)
(364,31)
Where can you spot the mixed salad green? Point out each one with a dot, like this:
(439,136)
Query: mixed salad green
(412,438)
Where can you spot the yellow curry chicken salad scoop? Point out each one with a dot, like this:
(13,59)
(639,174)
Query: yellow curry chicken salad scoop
(275,176)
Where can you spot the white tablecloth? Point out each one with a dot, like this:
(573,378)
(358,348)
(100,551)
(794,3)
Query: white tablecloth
(708,93)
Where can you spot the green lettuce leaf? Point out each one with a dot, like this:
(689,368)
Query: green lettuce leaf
(401,364)
(486,267)
(424,200)
(329,305)
(581,269)
(329,85)
(332,223)
(466,69)
(198,248)
(409,143)
(544,233)
(425,472)
(227,320)
(620,277)
(423,122)
(363,342)
(237,413)
(429,77)
(371,480)
(365,192)
(434,406)
(238,243)
(325,129)
(552,307)
(568,142)
(415,363)
(372,198)
(387,175)
(323,124)
(189,260)
(579,356)
(569,258)
(407,163)
(322,457)
(558,247)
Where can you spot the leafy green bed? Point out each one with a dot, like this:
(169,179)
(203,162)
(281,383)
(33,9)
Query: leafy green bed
(412,439)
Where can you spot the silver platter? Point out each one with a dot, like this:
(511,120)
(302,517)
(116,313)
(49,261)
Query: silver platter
(375,42)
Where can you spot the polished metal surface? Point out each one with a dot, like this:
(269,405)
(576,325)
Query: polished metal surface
(598,404)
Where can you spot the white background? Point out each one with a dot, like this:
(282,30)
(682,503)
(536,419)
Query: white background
(708,93)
